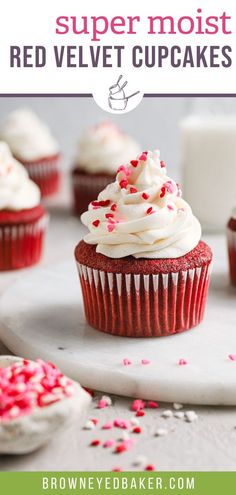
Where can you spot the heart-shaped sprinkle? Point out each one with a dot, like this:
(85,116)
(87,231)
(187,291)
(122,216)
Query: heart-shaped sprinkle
(96,223)
(123,184)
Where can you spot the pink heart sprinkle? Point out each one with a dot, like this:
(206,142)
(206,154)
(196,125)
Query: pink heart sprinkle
(182,362)
(137,405)
(232,357)
(101,404)
(109,443)
(145,361)
(152,404)
(127,362)
(121,423)
(107,426)
(143,157)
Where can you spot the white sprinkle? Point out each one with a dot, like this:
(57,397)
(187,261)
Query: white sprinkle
(161,432)
(179,415)
(107,399)
(167,414)
(125,435)
(135,421)
(20,387)
(14,411)
(140,460)
(177,406)
(191,416)
(89,425)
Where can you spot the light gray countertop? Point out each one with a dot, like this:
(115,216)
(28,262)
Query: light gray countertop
(206,444)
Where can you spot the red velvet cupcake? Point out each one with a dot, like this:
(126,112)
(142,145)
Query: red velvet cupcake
(101,150)
(231,238)
(45,172)
(32,144)
(22,219)
(143,269)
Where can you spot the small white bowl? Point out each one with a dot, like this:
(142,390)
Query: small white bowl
(30,432)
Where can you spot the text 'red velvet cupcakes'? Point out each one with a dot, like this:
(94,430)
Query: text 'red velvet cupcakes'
(101,149)
(22,219)
(32,143)
(143,269)
(231,239)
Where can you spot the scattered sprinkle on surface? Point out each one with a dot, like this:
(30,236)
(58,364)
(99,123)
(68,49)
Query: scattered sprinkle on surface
(177,406)
(191,416)
(183,362)
(167,414)
(161,432)
(232,357)
(127,362)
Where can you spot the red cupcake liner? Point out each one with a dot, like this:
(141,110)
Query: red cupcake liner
(45,173)
(132,305)
(231,238)
(21,245)
(86,188)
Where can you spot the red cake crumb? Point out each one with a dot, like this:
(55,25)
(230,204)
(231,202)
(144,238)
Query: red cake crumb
(10,217)
(86,255)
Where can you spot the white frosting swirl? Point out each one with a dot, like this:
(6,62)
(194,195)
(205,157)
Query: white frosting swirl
(142,214)
(28,137)
(17,191)
(104,147)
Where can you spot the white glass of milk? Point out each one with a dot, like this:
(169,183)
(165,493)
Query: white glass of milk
(208,156)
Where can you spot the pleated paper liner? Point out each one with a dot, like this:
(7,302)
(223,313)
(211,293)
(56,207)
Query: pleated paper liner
(133,305)
(45,173)
(86,188)
(21,245)
(231,238)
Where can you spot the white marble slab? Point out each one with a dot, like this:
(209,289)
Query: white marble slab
(42,315)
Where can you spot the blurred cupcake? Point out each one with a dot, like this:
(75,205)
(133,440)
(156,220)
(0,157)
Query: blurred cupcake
(231,237)
(101,149)
(32,143)
(22,219)
(143,269)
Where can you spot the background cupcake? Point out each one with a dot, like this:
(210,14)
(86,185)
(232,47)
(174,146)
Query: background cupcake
(32,143)
(101,149)
(143,269)
(231,237)
(22,218)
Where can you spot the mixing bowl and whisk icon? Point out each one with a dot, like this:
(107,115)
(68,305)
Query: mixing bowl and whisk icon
(117,98)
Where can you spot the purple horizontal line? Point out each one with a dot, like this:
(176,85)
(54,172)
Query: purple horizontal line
(146,95)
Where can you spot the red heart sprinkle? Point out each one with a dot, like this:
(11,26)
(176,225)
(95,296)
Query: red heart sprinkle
(134,163)
(95,443)
(123,184)
(96,223)
(140,413)
(137,429)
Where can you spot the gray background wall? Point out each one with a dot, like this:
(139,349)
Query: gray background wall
(154,123)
